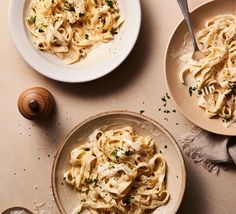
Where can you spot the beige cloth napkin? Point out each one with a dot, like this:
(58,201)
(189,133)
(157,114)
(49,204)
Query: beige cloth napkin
(208,149)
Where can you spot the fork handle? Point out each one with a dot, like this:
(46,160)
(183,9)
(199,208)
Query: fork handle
(183,4)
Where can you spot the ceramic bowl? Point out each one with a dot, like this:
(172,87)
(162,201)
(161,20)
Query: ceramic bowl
(178,45)
(100,61)
(66,197)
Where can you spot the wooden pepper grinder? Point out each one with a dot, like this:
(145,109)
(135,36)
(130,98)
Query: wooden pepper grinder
(35,103)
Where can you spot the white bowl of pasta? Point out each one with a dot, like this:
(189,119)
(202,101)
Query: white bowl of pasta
(119,162)
(74,41)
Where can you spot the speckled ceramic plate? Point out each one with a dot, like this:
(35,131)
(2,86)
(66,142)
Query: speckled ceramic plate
(66,198)
(100,61)
(177,46)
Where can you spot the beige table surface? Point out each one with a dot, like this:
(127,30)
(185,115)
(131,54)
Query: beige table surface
(27,148)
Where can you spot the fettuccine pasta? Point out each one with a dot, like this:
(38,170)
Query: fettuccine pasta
(217,68)
(118,172)
(69,28)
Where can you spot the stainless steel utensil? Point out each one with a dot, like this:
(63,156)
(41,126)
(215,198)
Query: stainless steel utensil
(208,89)
(183,4)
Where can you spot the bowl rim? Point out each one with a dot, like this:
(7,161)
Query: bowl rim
(109,113)
(167,50)
(45,71)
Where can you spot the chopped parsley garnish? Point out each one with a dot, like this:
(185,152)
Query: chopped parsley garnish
(191,89)
(163,99)
(53,1)
(128,152)
(226,119)
(68,6)
(114,153)
(124,152)
(91,181)
(43,25)
(111,166)
(126,200)
(167,95)
(113,31)
(233,88)
(199,92)
(141,111)
(109,3)
(86,36)
(41,30)
(32,19)
(81,14)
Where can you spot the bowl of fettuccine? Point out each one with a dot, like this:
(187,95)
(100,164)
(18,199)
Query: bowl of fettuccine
(204,89)
(75,40)
(118,162)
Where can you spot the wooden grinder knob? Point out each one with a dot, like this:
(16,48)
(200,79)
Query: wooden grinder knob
(35,103)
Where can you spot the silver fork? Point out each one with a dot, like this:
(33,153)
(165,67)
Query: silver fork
(183,4)
(208,89)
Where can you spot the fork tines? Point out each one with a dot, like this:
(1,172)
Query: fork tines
(208,89)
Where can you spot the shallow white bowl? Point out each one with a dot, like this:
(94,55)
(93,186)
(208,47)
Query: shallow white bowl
(67,199)
(99,62)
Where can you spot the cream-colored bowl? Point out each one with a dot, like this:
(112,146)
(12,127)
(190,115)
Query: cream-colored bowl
(66,198)
(100,61)
(177,46)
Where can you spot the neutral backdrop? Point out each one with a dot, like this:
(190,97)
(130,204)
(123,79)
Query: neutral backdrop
(27,148)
